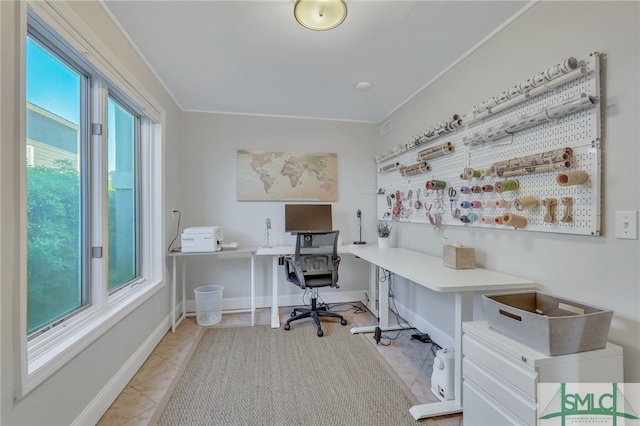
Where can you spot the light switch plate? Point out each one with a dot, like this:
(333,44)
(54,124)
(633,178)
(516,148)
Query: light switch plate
(627,225)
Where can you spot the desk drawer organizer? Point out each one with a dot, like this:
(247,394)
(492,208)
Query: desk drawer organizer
(548,324)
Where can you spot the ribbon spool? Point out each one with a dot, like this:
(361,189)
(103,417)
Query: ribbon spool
(488,204)
(470,173)
(465,219)
(514,220)
(438,184)
(498,220)
(487,188)
(465,190)
(476,189)
(488,220)
(574,177)
(485,172)
(476,204)
(465,204)
(472,217)
(507,185)
(502,204)
(525,203)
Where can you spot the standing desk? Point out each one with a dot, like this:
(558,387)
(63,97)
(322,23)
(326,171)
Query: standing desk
(429,272)
(183,256)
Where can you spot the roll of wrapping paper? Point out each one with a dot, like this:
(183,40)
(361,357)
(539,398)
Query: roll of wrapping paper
(436,151)
(536,169)
(415,169)
(554,156)
(499,220)
(502,204)
(514,220)
(525,203)
(573,177)
(489,220)
(507,185)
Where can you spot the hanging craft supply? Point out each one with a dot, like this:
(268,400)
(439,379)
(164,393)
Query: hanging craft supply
(507,185)
(574,177)
(550,209)
(514,220)
(499,220)
(502,204)
(525,203)
(567,203)
(489,220)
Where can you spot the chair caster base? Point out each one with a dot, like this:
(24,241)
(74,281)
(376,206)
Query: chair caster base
(343,322)
(287,327)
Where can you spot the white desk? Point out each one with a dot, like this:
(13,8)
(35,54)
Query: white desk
(178,255)
(276,252)
(428,271)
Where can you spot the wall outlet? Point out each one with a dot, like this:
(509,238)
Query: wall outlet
(627,225)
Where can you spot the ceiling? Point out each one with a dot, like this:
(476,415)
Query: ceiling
(252,57)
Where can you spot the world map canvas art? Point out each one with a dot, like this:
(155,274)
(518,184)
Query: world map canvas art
(287,176)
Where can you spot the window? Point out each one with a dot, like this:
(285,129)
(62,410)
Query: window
(123,131)
(57,284)
(93,166)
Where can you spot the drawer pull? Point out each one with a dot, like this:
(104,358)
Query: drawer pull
(510,315)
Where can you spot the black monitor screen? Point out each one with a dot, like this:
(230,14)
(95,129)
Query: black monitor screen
(307,217)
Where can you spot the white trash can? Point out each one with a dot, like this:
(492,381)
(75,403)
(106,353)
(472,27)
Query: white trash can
(209,304)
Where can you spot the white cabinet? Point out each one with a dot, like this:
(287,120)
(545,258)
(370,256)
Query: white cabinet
(501,375)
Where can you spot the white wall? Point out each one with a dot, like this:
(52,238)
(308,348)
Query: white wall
(84,385)
(209,152)
(598,270)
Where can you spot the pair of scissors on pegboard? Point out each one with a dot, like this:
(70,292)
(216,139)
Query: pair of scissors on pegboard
(452,198)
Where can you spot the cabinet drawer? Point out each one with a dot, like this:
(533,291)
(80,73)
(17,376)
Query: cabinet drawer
(504,393)
(482,410)
(500,364)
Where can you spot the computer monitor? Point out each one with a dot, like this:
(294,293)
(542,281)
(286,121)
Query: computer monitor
(307,217)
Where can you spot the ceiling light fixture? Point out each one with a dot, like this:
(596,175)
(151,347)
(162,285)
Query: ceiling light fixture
(320,15)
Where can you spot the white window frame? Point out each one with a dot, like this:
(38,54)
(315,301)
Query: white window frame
(43,355)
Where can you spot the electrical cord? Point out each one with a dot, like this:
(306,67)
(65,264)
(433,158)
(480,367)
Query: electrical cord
(176,249)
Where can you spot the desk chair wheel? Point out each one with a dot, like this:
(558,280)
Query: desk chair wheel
(320,333)
(287,327)
(343,322)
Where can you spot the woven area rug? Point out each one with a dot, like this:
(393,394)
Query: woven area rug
(263,376)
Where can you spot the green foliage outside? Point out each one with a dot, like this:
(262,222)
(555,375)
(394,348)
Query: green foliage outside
(54,277)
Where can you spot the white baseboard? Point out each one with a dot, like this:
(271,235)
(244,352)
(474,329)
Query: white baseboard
(99,405)
(244,303)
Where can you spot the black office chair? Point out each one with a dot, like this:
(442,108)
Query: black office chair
(314,264)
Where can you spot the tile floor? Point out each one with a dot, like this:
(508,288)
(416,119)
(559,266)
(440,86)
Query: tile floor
(144,397)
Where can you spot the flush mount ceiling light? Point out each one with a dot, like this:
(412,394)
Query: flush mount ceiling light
(320,15)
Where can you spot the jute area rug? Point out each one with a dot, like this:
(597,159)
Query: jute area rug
(263,376)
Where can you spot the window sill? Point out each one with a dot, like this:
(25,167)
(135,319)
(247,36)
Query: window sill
(45,357)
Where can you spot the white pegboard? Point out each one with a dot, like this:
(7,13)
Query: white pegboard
(578,130)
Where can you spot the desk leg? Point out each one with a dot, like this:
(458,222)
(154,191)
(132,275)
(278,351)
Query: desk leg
(253,288)
(383,304)
(175,322)
(173,296)
(463,312)
(275,315)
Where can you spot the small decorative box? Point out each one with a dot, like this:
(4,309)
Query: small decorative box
(459,257)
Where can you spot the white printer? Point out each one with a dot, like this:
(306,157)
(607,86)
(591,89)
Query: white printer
(201,239)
